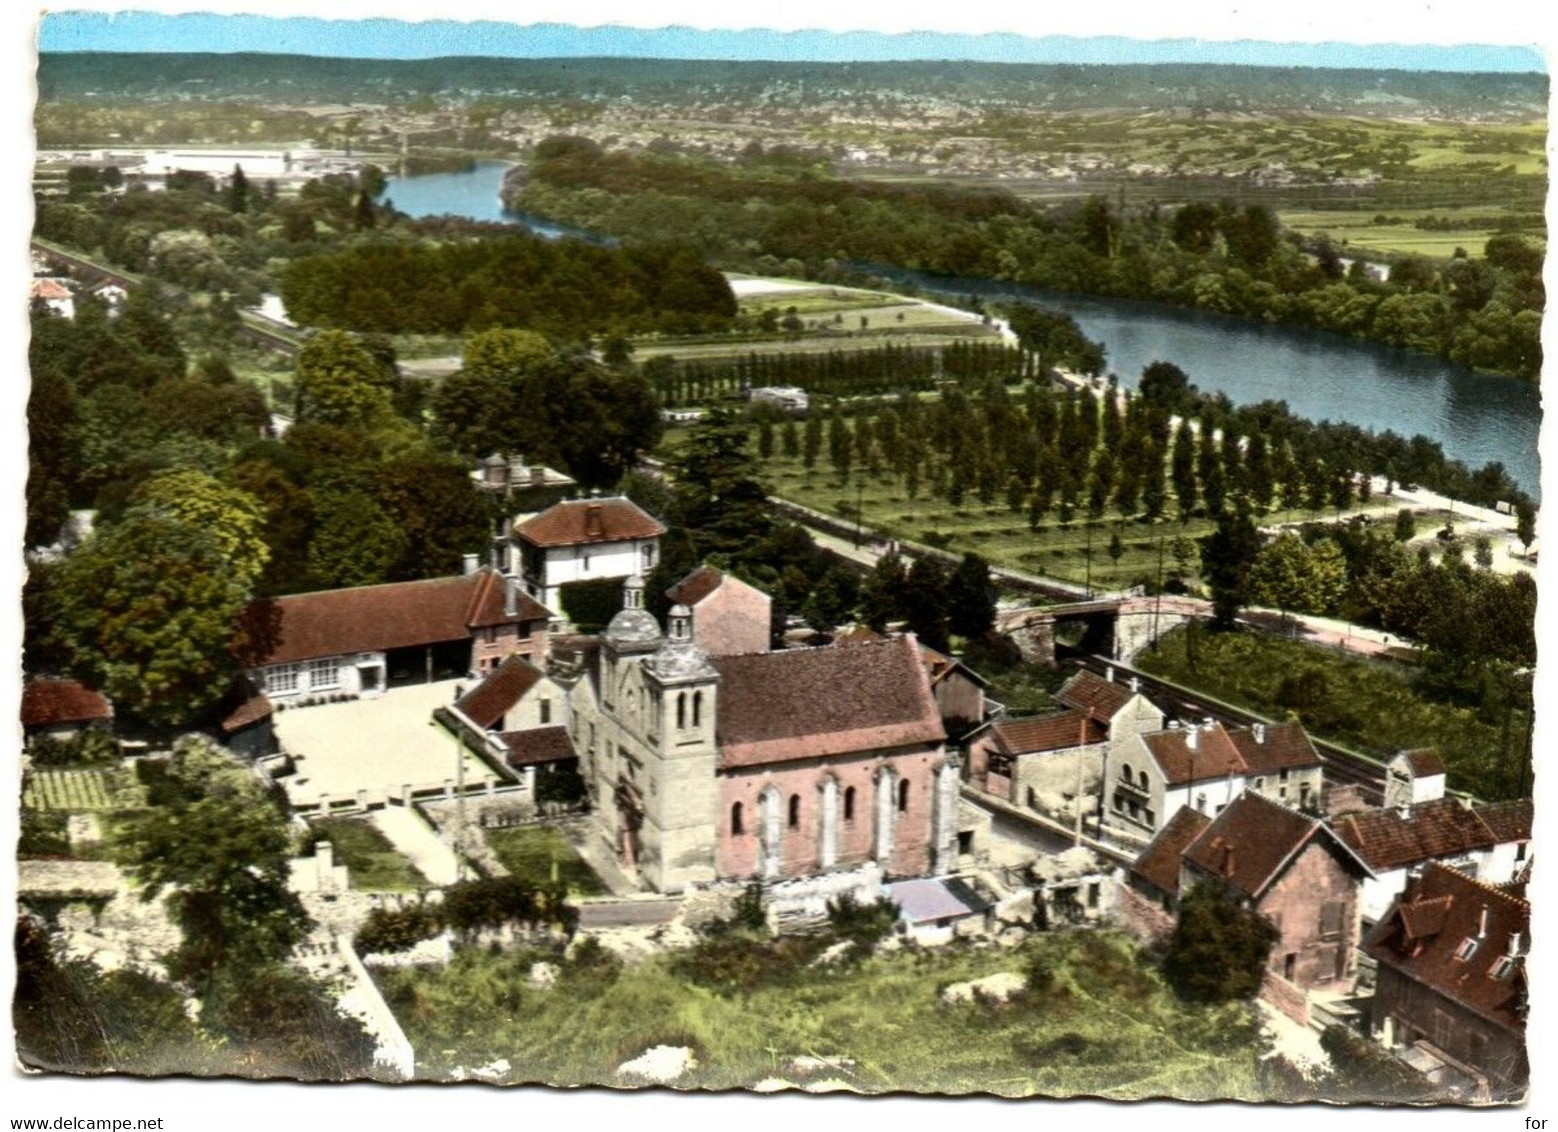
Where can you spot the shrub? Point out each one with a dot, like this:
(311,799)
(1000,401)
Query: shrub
(391,930)
(562,783)
(862,924)
(1219,949)
(591,605)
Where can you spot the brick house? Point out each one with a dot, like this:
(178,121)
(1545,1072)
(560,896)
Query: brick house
(1451,992)
(768,766)
(729,617)
(583,540)
(360,641)
(1293,870)
(1490,842)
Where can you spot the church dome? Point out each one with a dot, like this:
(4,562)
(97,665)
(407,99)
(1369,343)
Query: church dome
(633,627)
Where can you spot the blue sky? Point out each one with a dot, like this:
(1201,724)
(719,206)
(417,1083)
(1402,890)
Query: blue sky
(388,39)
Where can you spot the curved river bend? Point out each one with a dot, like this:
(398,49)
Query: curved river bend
(1477,418)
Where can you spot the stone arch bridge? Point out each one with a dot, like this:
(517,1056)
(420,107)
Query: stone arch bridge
(1115,627)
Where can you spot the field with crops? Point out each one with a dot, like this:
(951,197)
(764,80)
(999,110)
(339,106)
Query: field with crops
(71,790)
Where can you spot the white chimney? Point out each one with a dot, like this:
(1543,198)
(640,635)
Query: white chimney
(1208,722)
(510,597)
(1192,738)
(1135,685)
(468,563)
(1109,673)
(1260,732)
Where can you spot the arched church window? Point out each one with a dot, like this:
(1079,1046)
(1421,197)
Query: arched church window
(795,811)
(849,803)
(737,826)
(903,796)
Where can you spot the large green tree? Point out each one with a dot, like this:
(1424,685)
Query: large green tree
(219,848)
(1294,575)
(230,516)
(1226,556)
(1219,948)
(147,610)
(971,598)
(339,382)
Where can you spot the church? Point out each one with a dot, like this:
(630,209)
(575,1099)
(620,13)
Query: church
(762,766)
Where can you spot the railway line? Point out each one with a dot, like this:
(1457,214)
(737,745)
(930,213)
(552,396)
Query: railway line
(1342,766)
(259,330)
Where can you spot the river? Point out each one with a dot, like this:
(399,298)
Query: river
(1477,418)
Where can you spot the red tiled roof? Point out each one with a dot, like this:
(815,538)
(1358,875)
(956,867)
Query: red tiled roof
(1048,732)
(1439,913)
(377,618)
(1286,747)
(51,289)
(1508,821)
(578,522)
(1089,690)
(814,703)
(1215,756)
(253,708)
(1445,827)
(46,702)
(1424,763)
(537,745)
(489,701)
(1158,864)
(1250,841)
(696,586)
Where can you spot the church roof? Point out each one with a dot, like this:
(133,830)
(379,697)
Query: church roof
(822,702)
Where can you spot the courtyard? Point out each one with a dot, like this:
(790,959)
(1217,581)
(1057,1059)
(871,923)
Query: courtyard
(379,745)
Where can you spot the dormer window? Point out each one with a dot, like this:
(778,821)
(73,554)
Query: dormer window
(1468,948)
(1503,969)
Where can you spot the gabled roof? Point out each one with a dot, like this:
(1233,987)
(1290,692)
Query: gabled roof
(1445,827)
(1158,864)
(938,666)
(696,586)
(1089,690)
(537,745)
(1056,732)
(581,522)
(1423,763)
(1286,747)
(820,702)
(1251,843)
(1429,926)
(378,618)
(488,702)
(47,702)
(1508,821)
(1214,755)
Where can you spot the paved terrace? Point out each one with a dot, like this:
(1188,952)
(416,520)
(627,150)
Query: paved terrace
(379,745)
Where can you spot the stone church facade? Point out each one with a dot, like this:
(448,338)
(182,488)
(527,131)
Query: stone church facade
(768,766)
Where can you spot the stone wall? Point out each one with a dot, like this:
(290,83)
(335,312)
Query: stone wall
(1135,913)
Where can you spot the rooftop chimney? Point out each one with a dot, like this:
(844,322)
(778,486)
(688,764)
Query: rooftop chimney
(593,527)
(1192,737)
(1135,685)
(510,597)
(468,563)
(538,476)
(1208,722)
(1109,673)
(517,471)
(1260,732)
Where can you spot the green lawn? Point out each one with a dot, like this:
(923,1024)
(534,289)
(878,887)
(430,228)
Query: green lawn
(374,864)
(532,852)
(1364,704)
(1106,1026)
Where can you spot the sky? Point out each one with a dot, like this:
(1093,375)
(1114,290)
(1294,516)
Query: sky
(398,39)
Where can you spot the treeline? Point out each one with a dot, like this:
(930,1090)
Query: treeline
(564,288)
(1484,313)
(198,509)
(839,373)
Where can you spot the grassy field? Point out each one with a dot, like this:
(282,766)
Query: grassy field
(532,853)
(1356,229)
(1368,705)
(1107,1026)
(375,865)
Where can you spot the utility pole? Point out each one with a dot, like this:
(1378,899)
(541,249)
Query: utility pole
(1088,584)
(1157,597)
(860,518)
